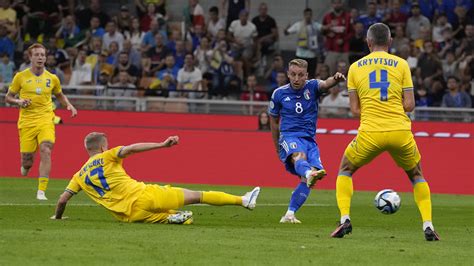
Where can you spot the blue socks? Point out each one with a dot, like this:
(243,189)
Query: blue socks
(302,167)
(299,196)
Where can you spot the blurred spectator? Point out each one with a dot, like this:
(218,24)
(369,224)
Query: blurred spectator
(399,39)
(133,55)
(454,97)
(383,8)
(82,71)
(371,17)
(357,44)
(157,54)
(112,35)
(462,21)
(149,39)
(52,67)
(225,82)
(429,67)
(427,8)
(221,36)
(467,43)
(179,53)
(241,35)
(193,37)
(70,33)
(101,68)
(26,61)
(232,9)
(189,79)
(423,98)
(84,16)
(124,19)
(278,65)
(448,44)
(168,76)
(415,22)
(253,92)
(342,67)
(95,46)
(267,34)
(200,55)
(135,35)
(7,46)
(263,121)
(215,22)
(123,88)
(337,30)
(160,6)
(334,104)
(194,14)
(450,65)
(174,36)
(113,53)
(61,56)
(124,64)
(7,68)
(396,17)
(7,13)
(309,45)
(452,9)
(354,13)
(95,30)
(439,26)
(281,80)
(40,19)
(151,15)
(323,72)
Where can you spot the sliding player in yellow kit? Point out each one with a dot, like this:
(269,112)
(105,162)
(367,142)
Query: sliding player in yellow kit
(35,86)
(381,91)
(105,181)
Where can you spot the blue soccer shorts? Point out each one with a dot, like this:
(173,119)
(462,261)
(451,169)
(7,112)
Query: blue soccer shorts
(306,145)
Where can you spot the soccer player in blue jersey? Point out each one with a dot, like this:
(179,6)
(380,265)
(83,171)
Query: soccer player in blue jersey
(293,113)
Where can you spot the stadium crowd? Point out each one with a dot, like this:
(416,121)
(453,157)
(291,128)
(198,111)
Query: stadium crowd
(222,53)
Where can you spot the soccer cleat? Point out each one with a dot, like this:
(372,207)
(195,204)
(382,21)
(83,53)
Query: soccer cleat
(24,171)
(289,219)
(431,235)
(249,200)
(182,217)
(40,195)
(343,229)
(314,176)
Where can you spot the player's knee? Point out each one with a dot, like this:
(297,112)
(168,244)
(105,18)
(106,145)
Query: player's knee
(347,167)
(415,173)
(45,150)
(298,156)
(27,160)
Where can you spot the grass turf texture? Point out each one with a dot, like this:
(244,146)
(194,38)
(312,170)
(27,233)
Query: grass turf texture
(231,235)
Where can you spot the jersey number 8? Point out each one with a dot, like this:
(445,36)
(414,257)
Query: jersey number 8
(299,108)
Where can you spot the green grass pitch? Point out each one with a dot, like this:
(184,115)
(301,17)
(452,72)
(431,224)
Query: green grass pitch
(231,235)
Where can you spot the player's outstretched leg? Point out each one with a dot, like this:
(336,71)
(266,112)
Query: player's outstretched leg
(344,191)
(217,198)
(26,163)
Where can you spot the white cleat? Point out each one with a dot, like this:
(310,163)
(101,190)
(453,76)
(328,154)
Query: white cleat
(314,176)
(182,217)
(249,200)
(24,171)
(40,195)
(289,219)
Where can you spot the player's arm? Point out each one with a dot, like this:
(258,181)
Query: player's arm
(325,85)
(65,102)
(141,147)
(12,99)
(354,103)
(408,100)
(275,127)
(61,205)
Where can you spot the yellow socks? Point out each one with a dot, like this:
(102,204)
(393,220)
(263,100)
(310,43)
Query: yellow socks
(43,183)
(344,191)
(220,198)
(421,191)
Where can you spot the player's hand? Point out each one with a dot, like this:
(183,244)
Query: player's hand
(62,218)
(171,141)
(23,103)
(73,110)
(338,77)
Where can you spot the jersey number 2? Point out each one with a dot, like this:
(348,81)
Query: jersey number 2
(383,84)
(100,173)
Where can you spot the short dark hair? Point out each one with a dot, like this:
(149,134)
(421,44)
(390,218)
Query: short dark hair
(453,77)
(379,33)
(308,10)
(214,9)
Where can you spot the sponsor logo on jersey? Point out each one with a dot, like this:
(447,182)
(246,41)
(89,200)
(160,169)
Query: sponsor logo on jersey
(287,99)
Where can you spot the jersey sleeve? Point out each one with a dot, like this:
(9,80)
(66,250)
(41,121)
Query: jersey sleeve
(112,155)
(275,105)
(407,81)
(57,85)
(294,28)
(314,86)
(73,186)
(16,84)
(351,83)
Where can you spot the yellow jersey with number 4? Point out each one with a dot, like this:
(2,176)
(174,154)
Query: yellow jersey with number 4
(105,181)
(379,80)
(39,90)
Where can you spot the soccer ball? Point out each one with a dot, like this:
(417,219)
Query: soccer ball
(387,201)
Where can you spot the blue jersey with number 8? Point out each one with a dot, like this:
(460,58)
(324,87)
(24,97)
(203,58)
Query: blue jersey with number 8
(298,109)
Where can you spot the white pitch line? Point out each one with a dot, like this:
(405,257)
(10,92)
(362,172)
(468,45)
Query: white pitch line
(198,205)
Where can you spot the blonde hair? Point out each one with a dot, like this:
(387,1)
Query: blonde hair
(34,46)
(94,140)
(299,63)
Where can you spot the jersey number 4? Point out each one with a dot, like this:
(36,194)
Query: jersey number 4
(100,173)
(383,84)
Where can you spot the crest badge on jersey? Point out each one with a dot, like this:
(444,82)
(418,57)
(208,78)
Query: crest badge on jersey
(307,95)
(272,105)
(38,91)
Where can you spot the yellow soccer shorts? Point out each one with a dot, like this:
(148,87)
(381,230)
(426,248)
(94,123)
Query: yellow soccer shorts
(31,137)
(368,144)
(156,203)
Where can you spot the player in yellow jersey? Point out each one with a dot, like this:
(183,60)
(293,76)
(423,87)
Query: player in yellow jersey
(381,91)
(105,181)
(34,87)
